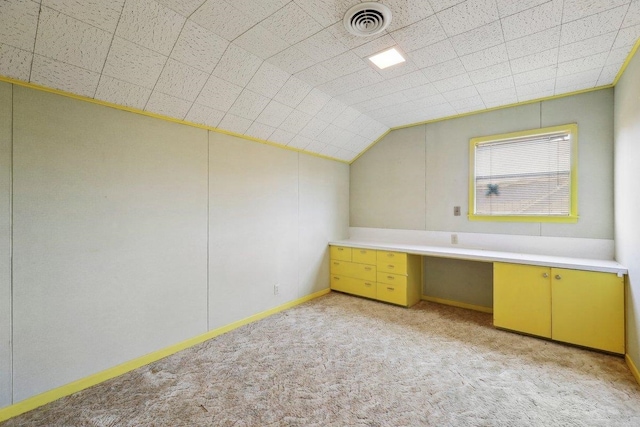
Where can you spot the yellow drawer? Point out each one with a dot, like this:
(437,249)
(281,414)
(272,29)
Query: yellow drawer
(395,294)
(352,269)
(340,253)
(363,256)
(364,288)
(392,279)
(392,262)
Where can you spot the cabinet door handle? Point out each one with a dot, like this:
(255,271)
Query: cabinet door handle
(368,268)
(336,263)
(390,277)
(558,277)
(545,275)
(390,255)
(391,289)
(368,285)
(391,266)
(336,278)
(341,249)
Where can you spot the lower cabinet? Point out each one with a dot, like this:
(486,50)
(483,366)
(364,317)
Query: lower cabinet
(579,307)
(393,277)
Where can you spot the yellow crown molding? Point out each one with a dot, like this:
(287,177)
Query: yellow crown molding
(370,145)
(457,304)
(162,117)
(632,368)
(626,62)
(83,383)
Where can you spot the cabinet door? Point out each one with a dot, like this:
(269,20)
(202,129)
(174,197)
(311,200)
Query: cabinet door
(588,309)
(522,298)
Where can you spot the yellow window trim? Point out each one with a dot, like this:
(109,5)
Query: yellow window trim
(573,210)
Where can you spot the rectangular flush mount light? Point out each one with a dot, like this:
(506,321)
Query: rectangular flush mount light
(387,58)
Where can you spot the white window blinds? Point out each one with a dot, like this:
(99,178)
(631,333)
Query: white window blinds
(528,176)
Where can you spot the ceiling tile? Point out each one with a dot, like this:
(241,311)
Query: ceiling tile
(331,135)
(589,78)
(451,83)
(500,97)
(258,8)
(58,75)
(461,93)
(296,121)
(407,12)
(181,81)
(420,92)
(353,81)
(315,75)
(608,75)
(627,37)
(510,7)
(134,64)
(18,23)
(291,23)
(234,123)
(313,102)
(268,80)
(261,42)
(183,7)
(122,93)
(593,25)
(633,15)
(576,87)
(382,101)
(314,128)
(300,142)
(374,46)
(316,147)
(218,94)
(485,58)
(397,70)
(167,105)
(495,85)
(293,92)
(237,66)
(321,46)
(68,40)
(15,63)
(329,150)
(586,47)
(292,60)
(345,63)
(582,64)
(445,69)
(535,88)
(349,39)
(348,116)
(536,95)
(274,114)
(493,72)
(204,115)
(260,131)
(101,14)
(477,39)
(618,56)
(199,47)
(468,15)
(534,43)
(433,54)
(577,9)
(534,76)
(467,105)
(150,24)
(439,5)
(281,136)
(532,20)
(326,12)
(537,60)
(223,19)
(249,105)
(421,34)
(331,110)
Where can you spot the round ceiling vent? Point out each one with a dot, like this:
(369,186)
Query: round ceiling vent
(367,19)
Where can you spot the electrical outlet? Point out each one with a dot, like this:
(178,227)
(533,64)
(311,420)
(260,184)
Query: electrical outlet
(276,289)
(454,239)
(456,211)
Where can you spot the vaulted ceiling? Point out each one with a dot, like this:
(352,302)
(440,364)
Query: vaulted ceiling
(288,72)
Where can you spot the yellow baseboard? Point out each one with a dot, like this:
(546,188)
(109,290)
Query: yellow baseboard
(76,386)
(632,368)
(458,304)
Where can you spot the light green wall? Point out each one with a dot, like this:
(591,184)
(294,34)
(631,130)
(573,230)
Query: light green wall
(5,244)
(133,234)
(459,280)
(627,196)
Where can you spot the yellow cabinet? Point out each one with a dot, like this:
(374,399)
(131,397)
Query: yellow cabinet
(588,309)
(363,288)
(579,307)
(395,294)
(340,253)
(353,269)
(364,256)
(522,298)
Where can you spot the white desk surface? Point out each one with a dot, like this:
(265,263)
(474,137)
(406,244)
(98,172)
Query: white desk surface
(607,266)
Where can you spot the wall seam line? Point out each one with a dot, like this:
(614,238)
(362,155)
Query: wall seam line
(208,225)
(11,300)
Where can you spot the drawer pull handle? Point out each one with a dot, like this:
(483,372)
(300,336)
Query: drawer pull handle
(390,255)
(363,252)
(368,268)
(391,266)
(390,277)
(341,249)
(336,263)
(545,275)
(391,289)
(368,284)
(558,277)
(336,278)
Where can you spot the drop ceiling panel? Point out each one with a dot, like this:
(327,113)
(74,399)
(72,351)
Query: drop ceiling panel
(288,71)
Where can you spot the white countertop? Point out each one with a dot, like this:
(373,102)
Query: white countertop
(607,266)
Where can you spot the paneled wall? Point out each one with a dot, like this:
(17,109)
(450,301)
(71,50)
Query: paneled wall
(627,196)
(131,234)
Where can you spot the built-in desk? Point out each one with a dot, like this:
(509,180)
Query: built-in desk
(574,300)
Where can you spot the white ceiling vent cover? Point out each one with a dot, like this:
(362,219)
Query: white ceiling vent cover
(367,19)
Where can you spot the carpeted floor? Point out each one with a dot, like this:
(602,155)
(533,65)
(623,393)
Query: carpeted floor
(345,361)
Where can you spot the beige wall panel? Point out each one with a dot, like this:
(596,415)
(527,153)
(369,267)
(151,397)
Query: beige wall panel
(324,216)
(593,111)
(5,244)
(110,238)
(448,167)
(253,228)
(470,282)
(388,183)
(627,196)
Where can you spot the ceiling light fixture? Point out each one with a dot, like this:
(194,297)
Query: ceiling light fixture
(387,58)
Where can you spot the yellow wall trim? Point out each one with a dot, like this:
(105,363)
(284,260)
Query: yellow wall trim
(626,62)
(457,304)
(161,117)
(632,367)
(83,383)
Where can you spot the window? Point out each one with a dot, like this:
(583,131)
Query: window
(524,176)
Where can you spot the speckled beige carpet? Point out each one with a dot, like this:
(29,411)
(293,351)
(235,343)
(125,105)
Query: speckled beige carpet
(346,361)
